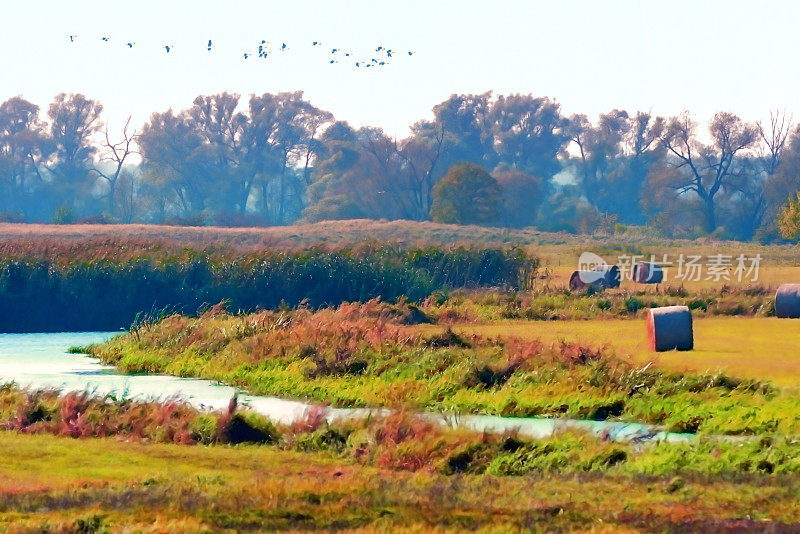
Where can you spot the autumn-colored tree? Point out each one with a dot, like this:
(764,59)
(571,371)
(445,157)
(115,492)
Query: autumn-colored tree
(789,219)
(466,195)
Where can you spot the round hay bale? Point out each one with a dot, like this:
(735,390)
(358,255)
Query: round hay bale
(611,276)
(647,273)
(787,301)
(670,328)
(581,280)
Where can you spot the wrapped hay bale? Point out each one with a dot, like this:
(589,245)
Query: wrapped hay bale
(670,328)
(581,280)
(611,276)
(647,273)
(787,301)
(598,278)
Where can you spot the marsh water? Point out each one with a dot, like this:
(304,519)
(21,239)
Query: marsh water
(39,361)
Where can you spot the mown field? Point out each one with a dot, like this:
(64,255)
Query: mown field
(762,348)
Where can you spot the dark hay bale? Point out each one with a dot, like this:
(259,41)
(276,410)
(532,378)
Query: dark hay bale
(787,301)
(611,275)
(585,280)
(599,278)
(670,328)
(647,273)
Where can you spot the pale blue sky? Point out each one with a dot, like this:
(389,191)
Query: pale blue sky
(592,56)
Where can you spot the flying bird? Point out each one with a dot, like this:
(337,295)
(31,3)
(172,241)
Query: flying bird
(209,45)
(333,51)
(283,46)
(72,38)
(130,45)
(379,49)
(167,48)
(315,43)
(105,39)
(411,53)
(246,55)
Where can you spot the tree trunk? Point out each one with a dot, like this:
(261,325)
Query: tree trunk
(112,186)
(710,215)
(282,197)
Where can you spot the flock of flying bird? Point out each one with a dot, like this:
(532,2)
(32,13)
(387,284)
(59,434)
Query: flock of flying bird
(265,51)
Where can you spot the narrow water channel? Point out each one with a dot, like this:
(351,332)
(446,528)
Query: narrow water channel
(41,361)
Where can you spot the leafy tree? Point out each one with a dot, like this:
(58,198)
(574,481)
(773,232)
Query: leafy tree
(335,208)
(222,154)
(789,219)
(614,158)
(462,121)
(566,211)
(522,195)
(23,149)
(284,134)
(176,163)
(74,119)
(527,133)
(466,195)
(386,179)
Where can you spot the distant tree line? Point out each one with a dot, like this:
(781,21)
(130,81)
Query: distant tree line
(506,160)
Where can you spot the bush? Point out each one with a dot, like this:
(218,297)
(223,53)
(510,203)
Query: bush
(64,214)
(466,195)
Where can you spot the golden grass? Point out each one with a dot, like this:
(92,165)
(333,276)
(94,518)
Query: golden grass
(764,348)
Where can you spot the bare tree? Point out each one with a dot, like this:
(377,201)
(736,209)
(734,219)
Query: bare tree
(116,153)
(706,169)
(774,138)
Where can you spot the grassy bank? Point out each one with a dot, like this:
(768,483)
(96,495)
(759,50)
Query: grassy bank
(367,355)
(75,464)
(401,441)
(59,484)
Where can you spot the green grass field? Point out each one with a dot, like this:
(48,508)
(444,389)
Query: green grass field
(97,485)
(763,348)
